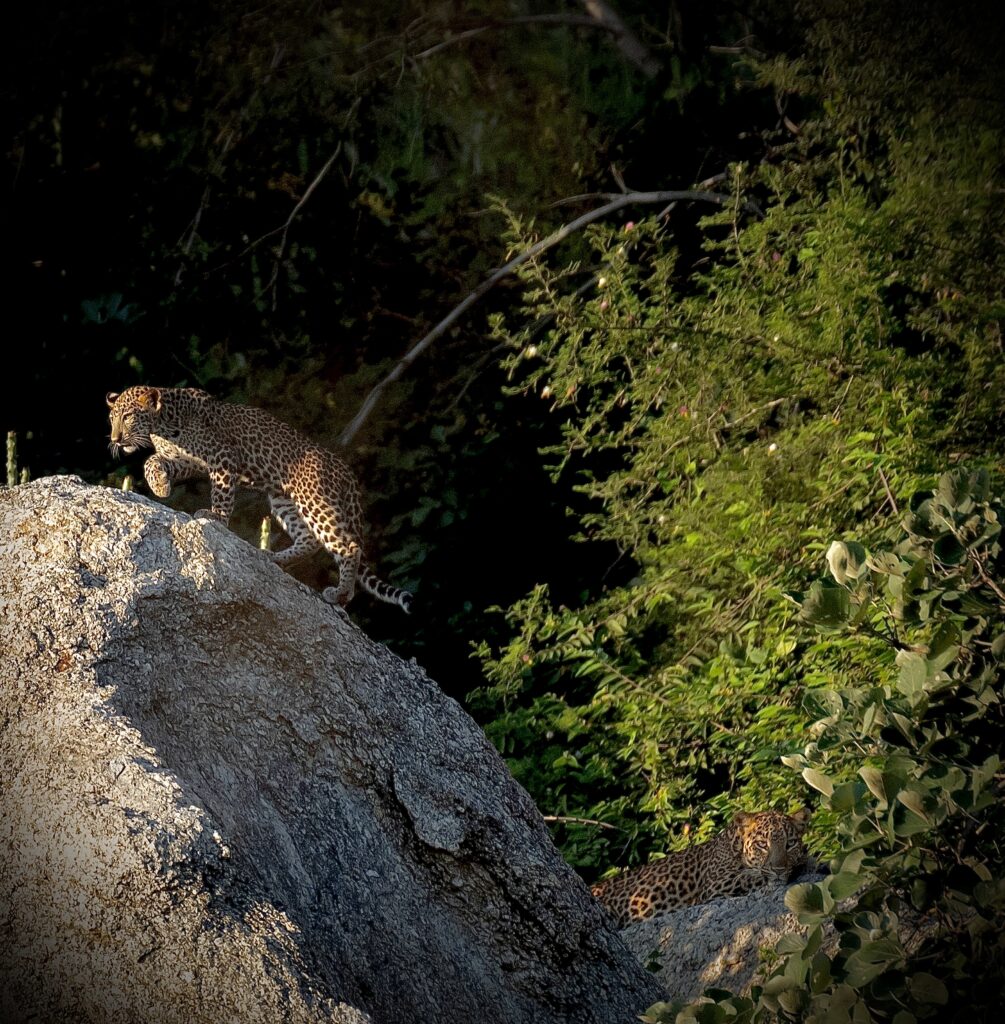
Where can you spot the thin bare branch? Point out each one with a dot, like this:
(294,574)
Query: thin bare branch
(986,579)
(739,49)
(308,192)
(580,821)
(889,493)
(753,412)
(191,232)
(616,202)
(632,48)
(571,20)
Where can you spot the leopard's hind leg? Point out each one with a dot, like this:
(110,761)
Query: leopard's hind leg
(327,500)
(304,542)
(348,570)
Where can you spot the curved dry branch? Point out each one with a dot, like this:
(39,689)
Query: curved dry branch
(558,20)
(632,48)
(616,201)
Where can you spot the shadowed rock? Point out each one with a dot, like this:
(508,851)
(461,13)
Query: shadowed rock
(221,801)
(716,944)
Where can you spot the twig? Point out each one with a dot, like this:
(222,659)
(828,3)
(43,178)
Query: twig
(619,179)
(573,20)
(737,50)
(284,228)
(616,202)
(750,206)
(753,412)
(889,493)
(565,819)
(983,573)
(786,120)
(308,192)
(632,48)
(598,16)
(193,228)
(844,394)
(475,373)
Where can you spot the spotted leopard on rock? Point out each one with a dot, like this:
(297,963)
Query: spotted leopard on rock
(754,850)
(312,492)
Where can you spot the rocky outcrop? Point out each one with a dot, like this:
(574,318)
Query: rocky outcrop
(222,802)
(716,944)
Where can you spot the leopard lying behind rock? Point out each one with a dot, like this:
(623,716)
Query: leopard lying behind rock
(312,492)
(754,850)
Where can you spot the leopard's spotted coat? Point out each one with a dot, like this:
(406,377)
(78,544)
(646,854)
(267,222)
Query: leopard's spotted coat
(755,850)
(312,492)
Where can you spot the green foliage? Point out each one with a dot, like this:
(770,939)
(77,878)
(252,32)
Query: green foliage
(722,425)
(728,407)
(909,764)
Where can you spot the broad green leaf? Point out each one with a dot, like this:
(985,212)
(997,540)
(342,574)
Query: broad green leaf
(843,885)
(805,898)
(790,943)
(927,989)
(910,824)
(710,1013)
(846,561)
(913,672)
(843,797)
(887,563)
(873,778)
(952,489)
(946,637)
(826,605)
(818,781)
(914,802)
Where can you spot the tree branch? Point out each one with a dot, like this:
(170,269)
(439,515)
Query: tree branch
(753,412)
(565,819)
(308,192)
(616,201)
(632,48)
(571,20)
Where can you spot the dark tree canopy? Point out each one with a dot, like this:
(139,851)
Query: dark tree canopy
(620,475)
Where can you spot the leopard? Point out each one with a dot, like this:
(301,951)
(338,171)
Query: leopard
(312,492)
(754,850)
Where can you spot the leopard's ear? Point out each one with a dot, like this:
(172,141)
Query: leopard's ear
(742,818)
(802,816)
(150,399)
(110,398)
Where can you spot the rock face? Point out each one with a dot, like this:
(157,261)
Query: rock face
(716,944)
(222,802)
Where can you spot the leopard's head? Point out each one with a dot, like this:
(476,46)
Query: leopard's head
(134,415)
(772,840)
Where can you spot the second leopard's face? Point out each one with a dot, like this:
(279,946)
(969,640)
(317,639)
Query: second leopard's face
(754,850)
(772,841)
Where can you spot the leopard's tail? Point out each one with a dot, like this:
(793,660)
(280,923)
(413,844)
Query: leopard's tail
(384,591)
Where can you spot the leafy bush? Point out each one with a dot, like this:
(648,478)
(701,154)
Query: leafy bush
(909,764)
(739,398)
(733,392)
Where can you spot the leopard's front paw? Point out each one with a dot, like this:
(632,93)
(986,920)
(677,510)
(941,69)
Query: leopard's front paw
(157,478)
